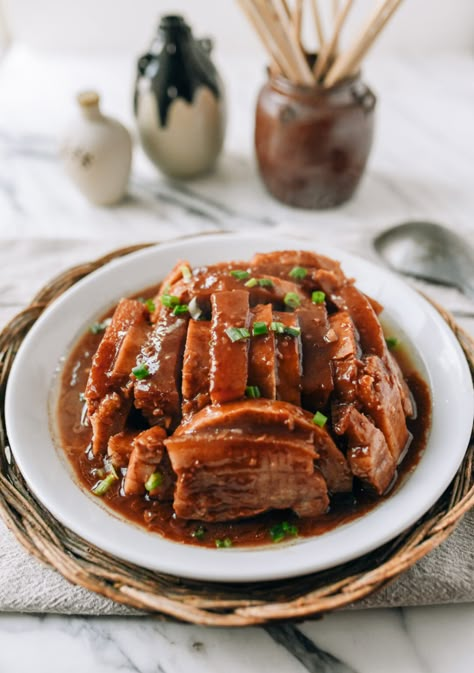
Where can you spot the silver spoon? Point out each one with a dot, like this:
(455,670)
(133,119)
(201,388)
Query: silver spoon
(429,251)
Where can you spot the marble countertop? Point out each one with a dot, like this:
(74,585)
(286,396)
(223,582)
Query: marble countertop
(421,167)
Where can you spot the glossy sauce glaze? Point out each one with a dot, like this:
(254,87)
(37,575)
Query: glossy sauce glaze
(74,436)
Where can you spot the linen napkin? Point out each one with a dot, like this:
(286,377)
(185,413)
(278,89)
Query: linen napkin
(446,575)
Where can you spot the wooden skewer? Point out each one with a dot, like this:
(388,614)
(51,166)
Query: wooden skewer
(330,47)
(318,23)
(351,59)
(297,22)
(280,39)
(277,63)
(305,74)
(255,20)
(335,14)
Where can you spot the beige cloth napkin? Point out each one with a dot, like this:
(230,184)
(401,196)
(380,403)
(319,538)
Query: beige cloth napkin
(444,576)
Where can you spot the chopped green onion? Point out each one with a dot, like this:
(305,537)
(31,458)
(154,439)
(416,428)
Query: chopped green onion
(109,467)
(194,311)
(318,297)
(292,300)
(169,300)
(103,485)
(281,530)
(141,371)
(259,328)
(180,309)
(82,397)
(99,327)
(237,333)
(280,328)
(150,304)
(392,342)
(153,481)
(298,273)
(253,282)
(261,282)
(277,327)
(320,419)
(252,392)
(226,542)
(265,282)
(240,275)
(199,533)
(186,272)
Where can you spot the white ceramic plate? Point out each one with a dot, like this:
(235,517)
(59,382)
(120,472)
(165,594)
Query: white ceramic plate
(51,478)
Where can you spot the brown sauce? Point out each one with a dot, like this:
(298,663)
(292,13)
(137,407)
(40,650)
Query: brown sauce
(74,439)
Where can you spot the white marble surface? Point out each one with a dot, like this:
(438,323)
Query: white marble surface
(422,166)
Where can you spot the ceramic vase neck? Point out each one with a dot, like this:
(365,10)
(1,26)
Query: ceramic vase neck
(89,105)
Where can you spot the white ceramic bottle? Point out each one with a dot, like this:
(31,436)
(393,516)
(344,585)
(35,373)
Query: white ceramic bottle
(97,153)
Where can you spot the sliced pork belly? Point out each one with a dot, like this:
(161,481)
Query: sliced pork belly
(149,457)
(381,400)
(368,455)
(288,360)
(109,390)
(243,458)
(196,364)
(229,359)
(246,430)
(120,447)
(282,262)
(251,416)
(157,395)
(345,352)
(262,354)
(317,380)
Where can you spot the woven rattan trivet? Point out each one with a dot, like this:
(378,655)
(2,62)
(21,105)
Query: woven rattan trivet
(198,602)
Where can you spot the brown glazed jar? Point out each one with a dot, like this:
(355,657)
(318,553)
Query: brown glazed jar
(312,143)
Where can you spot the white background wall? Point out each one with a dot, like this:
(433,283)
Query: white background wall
(127,25)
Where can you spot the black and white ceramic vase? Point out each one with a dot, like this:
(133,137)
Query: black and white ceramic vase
(179,102)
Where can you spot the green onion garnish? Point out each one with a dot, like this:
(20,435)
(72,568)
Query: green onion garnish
(180,309)
(199,533)
(318,297)
(298,273)
(237,333)
(392,342)
(103,485)
(240,275)
(261,282)
(277,327)
(141,371)
(252,392)
(292,300)
(82,397)
(320,419)
(150,304)
(280,328)
(281,530)
(259,328)
(265,282)
(99,327)
(186,272)
(226,542)
(153,481)
(169,300)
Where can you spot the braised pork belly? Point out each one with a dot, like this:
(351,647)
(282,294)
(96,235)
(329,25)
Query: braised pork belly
(247,387)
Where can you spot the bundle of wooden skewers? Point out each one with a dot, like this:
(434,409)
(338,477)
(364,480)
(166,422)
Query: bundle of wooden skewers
(279,27)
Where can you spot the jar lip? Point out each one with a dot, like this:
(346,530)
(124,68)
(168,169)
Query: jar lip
(316,90)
